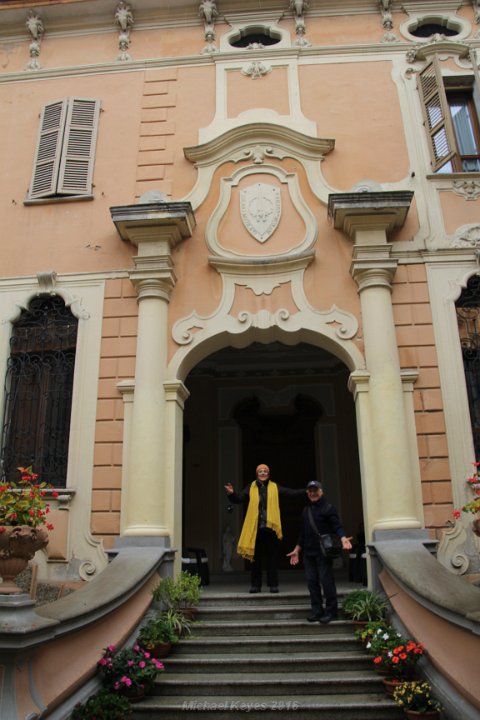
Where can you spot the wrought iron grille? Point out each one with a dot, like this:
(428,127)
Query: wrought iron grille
(38,391)
(468,318)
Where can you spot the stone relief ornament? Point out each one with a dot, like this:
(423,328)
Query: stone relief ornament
(208,12)
(256,69)
(476,11)
(299,7)
(467,236)
(260,210)
(387,21)
(35,27)
(124,19)
(468,189)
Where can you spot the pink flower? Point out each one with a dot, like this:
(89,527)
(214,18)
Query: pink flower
(456,514)
(141,664)
(111,648)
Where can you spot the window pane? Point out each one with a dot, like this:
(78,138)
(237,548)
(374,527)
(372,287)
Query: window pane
(463,125)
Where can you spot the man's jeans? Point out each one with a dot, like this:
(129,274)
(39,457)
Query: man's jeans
(318,572)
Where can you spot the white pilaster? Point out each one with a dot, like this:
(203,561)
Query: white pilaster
(155,228)
(388,457)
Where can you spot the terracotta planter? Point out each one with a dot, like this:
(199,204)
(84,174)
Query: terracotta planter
(160,650)
(133,693)
(190,612)
(391,684)
(18,545)
(416,715)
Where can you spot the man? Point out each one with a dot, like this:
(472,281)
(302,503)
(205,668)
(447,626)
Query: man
(262,527)
(318,569)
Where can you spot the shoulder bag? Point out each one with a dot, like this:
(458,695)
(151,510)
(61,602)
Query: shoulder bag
(330,543)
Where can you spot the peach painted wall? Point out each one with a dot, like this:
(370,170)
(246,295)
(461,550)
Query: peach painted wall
(416,344)
(328,94)
(117,362)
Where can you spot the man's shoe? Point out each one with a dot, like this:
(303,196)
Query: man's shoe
(328,617)
(274,590)
(314,618)
(254,590)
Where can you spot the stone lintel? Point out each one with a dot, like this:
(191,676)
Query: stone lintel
(153,222)
(369,211)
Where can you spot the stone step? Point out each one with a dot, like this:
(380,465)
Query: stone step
(270,707)
(261,662)
(255,612)
(270,627)
(259,684)
(239,599)
(251,645)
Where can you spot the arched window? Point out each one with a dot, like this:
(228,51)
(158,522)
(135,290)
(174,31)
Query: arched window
(468,317)
(38,391)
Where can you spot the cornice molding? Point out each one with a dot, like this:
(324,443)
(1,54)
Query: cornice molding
(263,134)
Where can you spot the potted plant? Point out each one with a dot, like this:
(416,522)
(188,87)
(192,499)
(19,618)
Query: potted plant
(383,639)
(473,506)
(182,593)
(23,512)
(130,671)
(399,662)
(416,700)
(104,705)
(159,634)
(364,633)
(364,606)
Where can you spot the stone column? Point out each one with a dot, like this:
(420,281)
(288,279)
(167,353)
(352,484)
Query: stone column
(155,228)
(388,476)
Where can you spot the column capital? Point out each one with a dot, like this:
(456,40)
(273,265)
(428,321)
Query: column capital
(369,212)
(372,266)
(153,276)
(163,223)
(358,382)
(176,391)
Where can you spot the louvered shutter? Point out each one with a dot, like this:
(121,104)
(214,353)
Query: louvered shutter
(76,166)
(437,115)
(49,147)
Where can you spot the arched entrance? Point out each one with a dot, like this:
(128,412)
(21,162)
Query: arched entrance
(288,406)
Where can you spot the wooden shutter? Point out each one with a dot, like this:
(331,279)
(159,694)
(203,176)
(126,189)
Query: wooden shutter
(437,115)
(48,153)
(76,166)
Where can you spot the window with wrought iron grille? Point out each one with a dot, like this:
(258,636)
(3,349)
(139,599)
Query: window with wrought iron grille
(38,391)
(63,165)
(451,108)
(468,318)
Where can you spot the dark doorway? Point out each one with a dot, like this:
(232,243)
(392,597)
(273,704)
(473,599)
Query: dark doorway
(285,441)
(286,406)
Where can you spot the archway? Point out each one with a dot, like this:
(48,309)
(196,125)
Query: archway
(288,406)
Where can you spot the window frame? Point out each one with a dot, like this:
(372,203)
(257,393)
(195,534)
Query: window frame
(43,338)
(65,150)
(434,91)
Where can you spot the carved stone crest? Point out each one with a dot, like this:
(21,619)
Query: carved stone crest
(260,209)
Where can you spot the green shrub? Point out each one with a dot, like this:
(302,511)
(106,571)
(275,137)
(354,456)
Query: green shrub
(104,705)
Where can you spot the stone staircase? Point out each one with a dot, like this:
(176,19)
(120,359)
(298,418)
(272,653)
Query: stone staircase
(257,655)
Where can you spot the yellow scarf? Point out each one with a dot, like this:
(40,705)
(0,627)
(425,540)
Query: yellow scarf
(248,536)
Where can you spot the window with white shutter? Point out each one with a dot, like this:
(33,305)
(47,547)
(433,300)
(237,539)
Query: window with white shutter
(65,151)
(450,109)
